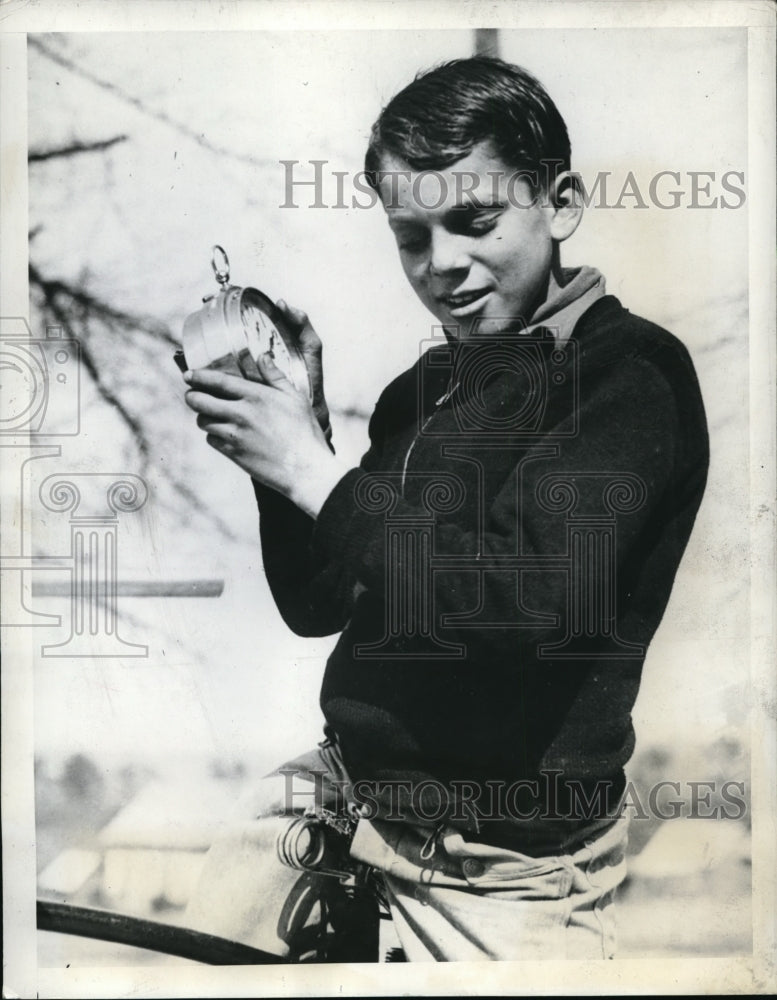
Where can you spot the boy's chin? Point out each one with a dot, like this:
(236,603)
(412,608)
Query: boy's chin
(484,326)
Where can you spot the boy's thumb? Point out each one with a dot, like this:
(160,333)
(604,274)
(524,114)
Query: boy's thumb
(270,372)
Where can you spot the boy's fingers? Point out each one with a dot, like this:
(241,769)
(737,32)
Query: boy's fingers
(225,434)
(221,428)
(307,338)
(217,442)
(209,405)
(217,383)
(297,317)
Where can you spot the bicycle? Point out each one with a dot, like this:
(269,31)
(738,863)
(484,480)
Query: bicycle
(350,899)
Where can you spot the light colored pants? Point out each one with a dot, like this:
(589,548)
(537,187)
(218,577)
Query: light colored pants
(473,901)
(468,901)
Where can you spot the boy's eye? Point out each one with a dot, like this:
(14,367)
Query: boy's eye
(468,223)
(483,225)
(412,241)
(464,221)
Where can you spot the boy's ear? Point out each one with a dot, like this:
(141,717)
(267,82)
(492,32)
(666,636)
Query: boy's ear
(566,205)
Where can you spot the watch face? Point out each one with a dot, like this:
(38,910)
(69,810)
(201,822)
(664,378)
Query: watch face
(264,337)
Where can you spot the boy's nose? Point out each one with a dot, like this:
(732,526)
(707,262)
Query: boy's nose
(448,253)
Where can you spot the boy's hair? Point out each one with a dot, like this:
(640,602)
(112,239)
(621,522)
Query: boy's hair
(446,111)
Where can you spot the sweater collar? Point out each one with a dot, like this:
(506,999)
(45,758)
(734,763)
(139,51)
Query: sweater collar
(567,302)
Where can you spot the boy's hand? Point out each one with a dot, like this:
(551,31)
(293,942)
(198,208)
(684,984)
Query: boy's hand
(269,430)
(309,344)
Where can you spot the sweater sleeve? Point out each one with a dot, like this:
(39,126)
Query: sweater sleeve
(313,589)
(629,432)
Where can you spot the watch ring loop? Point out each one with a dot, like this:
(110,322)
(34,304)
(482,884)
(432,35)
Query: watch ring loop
(220,264)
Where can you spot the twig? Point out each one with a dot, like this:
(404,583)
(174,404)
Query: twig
(135,102)
(50,294)
(74,149)
(90,304)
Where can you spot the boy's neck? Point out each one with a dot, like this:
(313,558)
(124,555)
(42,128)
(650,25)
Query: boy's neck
(556,279)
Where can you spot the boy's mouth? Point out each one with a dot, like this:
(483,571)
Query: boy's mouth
(464,303)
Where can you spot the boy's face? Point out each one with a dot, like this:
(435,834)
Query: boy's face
(473,243)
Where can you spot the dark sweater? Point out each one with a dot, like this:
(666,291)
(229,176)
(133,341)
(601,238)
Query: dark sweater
(567,483)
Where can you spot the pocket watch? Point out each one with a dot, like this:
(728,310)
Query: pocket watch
(234,327)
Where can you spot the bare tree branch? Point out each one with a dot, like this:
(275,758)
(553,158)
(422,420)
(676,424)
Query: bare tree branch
(99,309)
(52,292)
(135,102)
(38,156)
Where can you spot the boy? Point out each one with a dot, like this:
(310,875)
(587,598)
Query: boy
(499,561)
